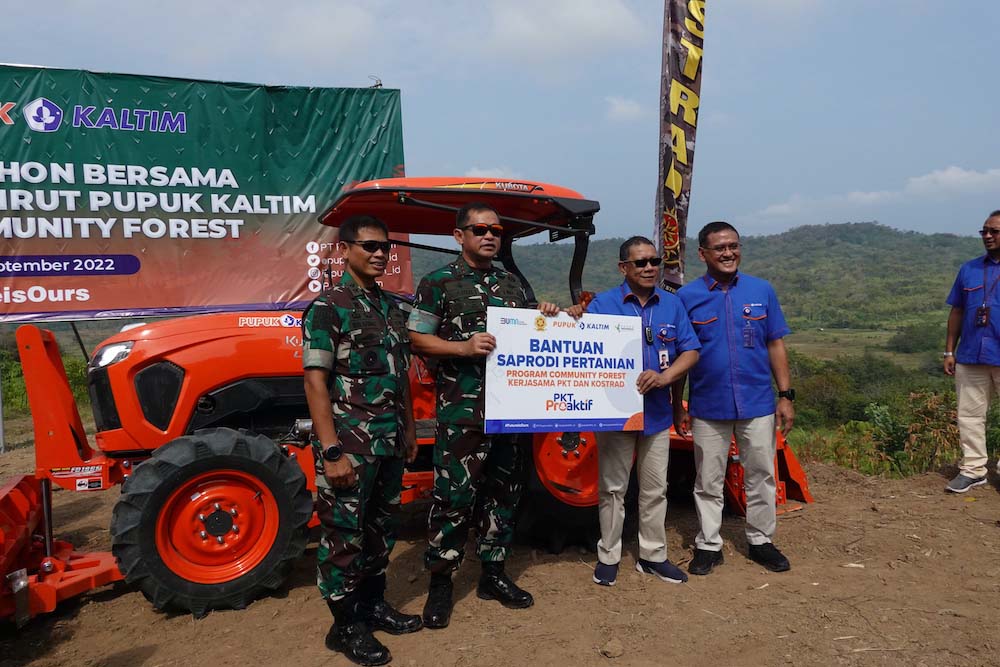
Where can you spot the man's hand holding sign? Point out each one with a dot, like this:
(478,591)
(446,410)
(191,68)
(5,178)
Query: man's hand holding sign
(669,348)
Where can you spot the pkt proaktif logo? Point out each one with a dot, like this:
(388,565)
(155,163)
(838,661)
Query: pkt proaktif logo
(43,115)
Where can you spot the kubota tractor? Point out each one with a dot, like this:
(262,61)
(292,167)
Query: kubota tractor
(203,421)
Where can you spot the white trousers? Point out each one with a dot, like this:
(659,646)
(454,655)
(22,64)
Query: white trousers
(756,441)
(614,460)
(976,385)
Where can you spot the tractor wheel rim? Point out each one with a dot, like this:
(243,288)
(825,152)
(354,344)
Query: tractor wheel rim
(570,477)
(217,526)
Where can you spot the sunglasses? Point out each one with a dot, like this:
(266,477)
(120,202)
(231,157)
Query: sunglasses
(372,246)
(641,263)
(989,230)
(719,249)
(480,229)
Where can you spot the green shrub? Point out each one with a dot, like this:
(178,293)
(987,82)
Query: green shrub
(15,395)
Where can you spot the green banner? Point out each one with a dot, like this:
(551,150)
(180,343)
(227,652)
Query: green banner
(125,195)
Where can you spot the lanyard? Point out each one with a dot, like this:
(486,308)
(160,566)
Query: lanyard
(986,290)
(647,321)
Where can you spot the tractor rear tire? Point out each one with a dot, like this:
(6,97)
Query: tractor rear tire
(548,521)
(212,520)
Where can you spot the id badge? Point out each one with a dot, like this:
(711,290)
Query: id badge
(748,335)
(664,360)
(982,316)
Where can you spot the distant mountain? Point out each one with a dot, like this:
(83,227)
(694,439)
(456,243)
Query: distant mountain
(861,275)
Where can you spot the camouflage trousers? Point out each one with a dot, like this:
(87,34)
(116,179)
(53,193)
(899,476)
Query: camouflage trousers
(477,481)
(358,524)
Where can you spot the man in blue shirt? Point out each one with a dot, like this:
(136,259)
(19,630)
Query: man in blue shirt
(669,349)
(740,325)
(974,324)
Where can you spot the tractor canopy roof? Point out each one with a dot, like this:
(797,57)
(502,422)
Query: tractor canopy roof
(428,205)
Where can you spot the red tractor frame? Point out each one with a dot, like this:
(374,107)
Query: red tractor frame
(203,422)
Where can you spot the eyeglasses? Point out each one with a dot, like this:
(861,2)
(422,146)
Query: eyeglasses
(992,231)
(372,246)
(719,249)
(480,229)
(641,263)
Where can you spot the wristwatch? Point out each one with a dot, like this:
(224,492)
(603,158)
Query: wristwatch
(332,453)
(947,354)
(788,393)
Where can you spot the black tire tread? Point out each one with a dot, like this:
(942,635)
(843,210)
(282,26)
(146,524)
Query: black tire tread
(140,563)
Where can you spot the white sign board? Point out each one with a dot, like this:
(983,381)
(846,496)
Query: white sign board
(560,374)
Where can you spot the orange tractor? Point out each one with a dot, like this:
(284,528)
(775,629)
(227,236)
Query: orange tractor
(203,421)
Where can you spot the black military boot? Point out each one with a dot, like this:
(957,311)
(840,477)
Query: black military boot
(379,614)
(352,637)
(494,584)
(437,609)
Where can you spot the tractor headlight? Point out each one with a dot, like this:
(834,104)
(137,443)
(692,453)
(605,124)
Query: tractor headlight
(111,354)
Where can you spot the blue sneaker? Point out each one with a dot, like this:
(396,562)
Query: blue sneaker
(605,575)
(963,483)
(666,571)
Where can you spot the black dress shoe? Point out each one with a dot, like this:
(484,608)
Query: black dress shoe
(380,615)
(357,644)
(494,584)
(768,555)
(437,609)
(704,560)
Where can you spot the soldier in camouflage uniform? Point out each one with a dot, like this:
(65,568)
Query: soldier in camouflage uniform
(356,355)
(477,478)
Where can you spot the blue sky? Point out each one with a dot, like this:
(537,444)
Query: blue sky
(813,111)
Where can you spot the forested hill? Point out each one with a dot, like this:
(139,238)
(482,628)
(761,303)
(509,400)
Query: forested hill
(859,275)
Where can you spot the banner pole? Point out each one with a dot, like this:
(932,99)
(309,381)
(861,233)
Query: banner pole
(79,340)
(3,439)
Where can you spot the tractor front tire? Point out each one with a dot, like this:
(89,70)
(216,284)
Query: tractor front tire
(211,521)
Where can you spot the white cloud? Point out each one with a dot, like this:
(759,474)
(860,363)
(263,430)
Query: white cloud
(623,109)
(939,184)
(783,6)
(868,198)
(321,32)
(715,118)
(493,172)
(528,30)
(795,205)
(954,180)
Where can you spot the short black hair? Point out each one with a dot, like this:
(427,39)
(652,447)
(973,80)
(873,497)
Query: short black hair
(472,207)
(350,228)
(630,243)
(714,228)
(994,214)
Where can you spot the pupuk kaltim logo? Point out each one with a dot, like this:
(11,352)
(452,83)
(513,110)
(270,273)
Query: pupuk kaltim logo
(43,115)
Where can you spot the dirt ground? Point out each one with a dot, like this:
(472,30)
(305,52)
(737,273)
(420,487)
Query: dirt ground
(883,573)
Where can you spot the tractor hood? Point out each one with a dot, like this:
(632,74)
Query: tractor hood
(220,324)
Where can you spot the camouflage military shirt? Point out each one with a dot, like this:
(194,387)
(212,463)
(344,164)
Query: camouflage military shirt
(360,337)
(451,304)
